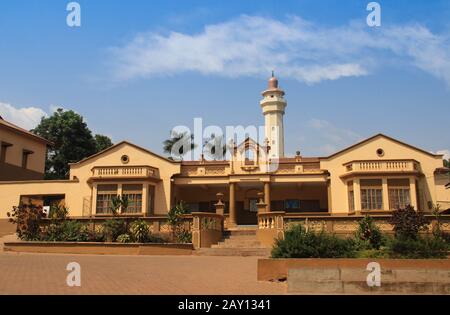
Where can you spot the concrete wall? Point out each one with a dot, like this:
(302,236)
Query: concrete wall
(10,193)
(345,277)
(137,157)
(20,142)
(392,150)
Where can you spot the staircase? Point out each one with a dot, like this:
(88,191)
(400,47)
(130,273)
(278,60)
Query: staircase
(240,241)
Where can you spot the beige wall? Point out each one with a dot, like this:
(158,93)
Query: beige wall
(392,151)
(10,193)
(20,142)
(138,157)
(78,190)
(442,194)
(79,196)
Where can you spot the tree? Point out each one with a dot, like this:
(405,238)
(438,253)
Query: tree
(72,139)
(181,140)
(215,148)
(102,142)
(447,163)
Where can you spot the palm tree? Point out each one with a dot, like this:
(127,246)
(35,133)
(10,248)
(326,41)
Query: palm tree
(212,147)
(179,139)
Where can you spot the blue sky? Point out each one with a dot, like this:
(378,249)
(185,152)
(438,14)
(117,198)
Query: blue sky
(136,69)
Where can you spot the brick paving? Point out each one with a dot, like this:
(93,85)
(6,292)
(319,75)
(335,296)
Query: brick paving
(23,273)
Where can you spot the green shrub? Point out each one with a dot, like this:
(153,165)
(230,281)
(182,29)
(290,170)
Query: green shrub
(28,220)
(175,219)
(428,247)
(74,231)
(124,238)
(112,228)
(298,243)
(408,223)
(368,235)
(66,231)
(373,253)
(58,212)
(152,238)
(140,231)
(184,237)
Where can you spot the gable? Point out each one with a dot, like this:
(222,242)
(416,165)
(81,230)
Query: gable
(122,147)
(391,149)
(136,155)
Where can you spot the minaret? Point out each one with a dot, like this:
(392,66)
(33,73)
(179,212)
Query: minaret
(273,105)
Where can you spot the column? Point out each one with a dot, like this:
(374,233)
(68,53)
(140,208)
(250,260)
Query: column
(267,195)
(385,195)
(145,199)
(119,193)
(232,218)
(329,201)
(413,192)
(94,199)
(357,195)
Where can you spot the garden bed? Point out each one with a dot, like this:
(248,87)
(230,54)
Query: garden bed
(95,248)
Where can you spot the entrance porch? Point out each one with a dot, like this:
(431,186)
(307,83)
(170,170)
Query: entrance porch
(240,198)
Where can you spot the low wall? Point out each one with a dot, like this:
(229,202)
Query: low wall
(349,276)
(6,227)
(99,248)
(347,225)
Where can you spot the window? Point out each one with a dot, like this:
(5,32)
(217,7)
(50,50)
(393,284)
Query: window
(25,154)
(351,200)
(371,194)
(151,200)
(399,193)
(4,148)
(253,205)
(250,157)
(105,193)
(292,204)
(399,198)
(371,199)
(133,193)
(351,196)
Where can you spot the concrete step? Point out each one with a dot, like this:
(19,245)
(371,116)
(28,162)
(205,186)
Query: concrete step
(254,244)
(240,238)
(239,232)
(258,252)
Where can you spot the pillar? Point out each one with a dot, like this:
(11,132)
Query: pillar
(94,200)
(220,206)
(357,195)
(262,205)
(267,195)
(385,195)
(329,201)
(413,192)
(232,218)
(119,193)
(145,199)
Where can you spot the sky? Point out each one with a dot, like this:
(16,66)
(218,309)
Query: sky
(136,69)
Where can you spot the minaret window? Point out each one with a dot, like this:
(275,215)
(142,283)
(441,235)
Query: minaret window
(249,157)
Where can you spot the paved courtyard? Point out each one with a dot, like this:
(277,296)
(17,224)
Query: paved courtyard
(181,275)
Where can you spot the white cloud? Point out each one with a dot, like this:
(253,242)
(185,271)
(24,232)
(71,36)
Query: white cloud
(253,45)
(26,117)
(446,153)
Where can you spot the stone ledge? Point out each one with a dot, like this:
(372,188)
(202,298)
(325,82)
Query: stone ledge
(349,276)
(93,248)
(270,269)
